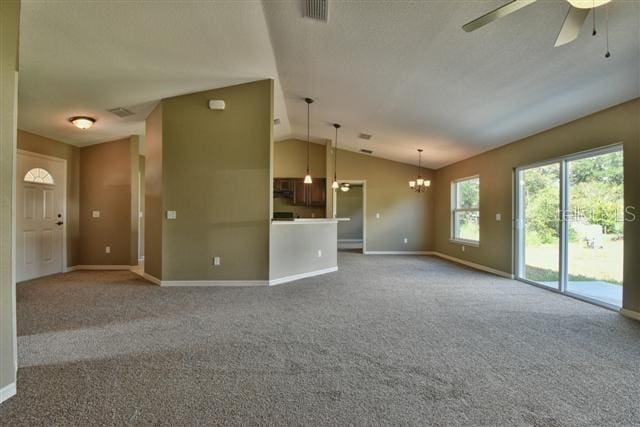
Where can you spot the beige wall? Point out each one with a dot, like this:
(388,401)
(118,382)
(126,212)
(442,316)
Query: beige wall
(153,194)
(349,205)
(403,213)
(9,22)
(496,168)
(49,147)
(216,175)
(290,159)
(295,246)
(105,186)
(141,170)
(134,204)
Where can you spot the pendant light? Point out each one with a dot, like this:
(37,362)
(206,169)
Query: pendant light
(335,184)
(307,177)
(419,184)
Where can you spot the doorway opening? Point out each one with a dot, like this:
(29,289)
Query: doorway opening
(570,225)
(41,183)
(349,208)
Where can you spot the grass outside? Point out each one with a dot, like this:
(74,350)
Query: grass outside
(585,264)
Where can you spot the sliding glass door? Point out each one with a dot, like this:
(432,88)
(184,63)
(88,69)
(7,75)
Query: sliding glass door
(570,225)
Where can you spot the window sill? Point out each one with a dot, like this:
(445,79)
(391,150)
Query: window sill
(465,242)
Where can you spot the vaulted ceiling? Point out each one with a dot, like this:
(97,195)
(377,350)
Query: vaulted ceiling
(404,72)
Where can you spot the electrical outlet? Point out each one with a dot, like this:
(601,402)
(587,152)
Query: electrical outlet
(377,215)
(216,260)
(95,214)
(107,249)
(319,253)
(462,248)
(406,240)
(171,215)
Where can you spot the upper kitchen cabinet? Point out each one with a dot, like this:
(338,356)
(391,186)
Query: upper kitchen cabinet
(314,194)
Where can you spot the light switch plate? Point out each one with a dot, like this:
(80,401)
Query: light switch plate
(171,214)
(95,214)
(498,217)
(377,215)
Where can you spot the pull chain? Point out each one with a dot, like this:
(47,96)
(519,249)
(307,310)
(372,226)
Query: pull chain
(606,29)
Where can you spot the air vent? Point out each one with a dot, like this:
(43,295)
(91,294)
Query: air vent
(316,9)
(365,151)
(364,136)
(121,112)
(276,121)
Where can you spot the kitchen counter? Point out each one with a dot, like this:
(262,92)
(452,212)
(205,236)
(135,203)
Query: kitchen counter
(308,221)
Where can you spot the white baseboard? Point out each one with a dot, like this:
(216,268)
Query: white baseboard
(226,283)
(300,276)
(350,244)
(97,267)
(150,278)
(399,253)
(630,314)
(7,392)
(474,265)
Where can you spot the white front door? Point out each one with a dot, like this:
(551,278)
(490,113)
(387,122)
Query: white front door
(40,209)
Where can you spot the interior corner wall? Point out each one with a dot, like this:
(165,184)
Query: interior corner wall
(134,185)
(49,147)
(496,170)
(9,23)
(105,186)
(216,176)
(141,207)
(153,212)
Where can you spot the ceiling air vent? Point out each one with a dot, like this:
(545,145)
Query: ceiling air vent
(364,136)
(316,9)
(121,112)
(365,151)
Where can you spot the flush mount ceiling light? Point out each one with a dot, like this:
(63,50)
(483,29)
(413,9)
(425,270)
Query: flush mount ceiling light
(307,177)
(82,122)
(419,184)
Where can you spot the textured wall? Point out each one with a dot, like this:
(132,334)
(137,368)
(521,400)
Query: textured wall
(216,176)
(290,159)
(105,186)
(495,168)
(48,147)
(9,23)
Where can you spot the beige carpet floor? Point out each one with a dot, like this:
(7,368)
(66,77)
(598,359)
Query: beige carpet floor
(385,340)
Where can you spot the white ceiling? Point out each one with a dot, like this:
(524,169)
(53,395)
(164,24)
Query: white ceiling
(404,72)
(82,58)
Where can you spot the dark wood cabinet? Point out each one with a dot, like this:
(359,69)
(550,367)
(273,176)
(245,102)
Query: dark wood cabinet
(282,184)
(314,194)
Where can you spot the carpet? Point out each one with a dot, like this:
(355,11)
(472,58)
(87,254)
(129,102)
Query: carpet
(385,340)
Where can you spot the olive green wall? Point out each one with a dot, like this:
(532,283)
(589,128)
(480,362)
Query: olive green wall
(134,204)
(49,147)
(141,214)
(9,24)
(153,194)
(403,212)
(496,170)
(105,186)
(350,205)
(216,176)
(290,159)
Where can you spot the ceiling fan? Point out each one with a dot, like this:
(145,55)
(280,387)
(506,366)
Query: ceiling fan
(577,14)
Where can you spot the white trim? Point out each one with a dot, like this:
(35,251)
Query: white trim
(200,283)
(150,278)
(630,314)
(364,206)
(295,277)
(7,392)
(474,265)
(98,267)
(463,242)
(350,244)
(399,253)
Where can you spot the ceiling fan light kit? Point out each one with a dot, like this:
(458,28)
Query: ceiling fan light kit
(573,21)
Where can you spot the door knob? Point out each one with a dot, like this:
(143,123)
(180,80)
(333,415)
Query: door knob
(59,223)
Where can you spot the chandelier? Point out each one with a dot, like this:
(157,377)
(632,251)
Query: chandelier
(420,184)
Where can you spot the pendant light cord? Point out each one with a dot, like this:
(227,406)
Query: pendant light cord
(594,18)
(308,138)
(606,29)
(335,157)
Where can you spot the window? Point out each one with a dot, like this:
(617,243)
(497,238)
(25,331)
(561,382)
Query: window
(39,176)
(465,210)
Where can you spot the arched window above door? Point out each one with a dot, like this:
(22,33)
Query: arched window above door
(39,176)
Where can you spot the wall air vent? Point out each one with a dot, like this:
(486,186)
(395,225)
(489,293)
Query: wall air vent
(316,9)
(364,136)
(121,112)
(365,151)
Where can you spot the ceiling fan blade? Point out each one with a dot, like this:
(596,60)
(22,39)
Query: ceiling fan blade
(505,10)
(572,25)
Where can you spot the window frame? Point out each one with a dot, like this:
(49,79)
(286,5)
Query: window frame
(454,210)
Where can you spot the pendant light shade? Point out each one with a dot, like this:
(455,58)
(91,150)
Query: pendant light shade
(307,177)
(335,184)
(419,184)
